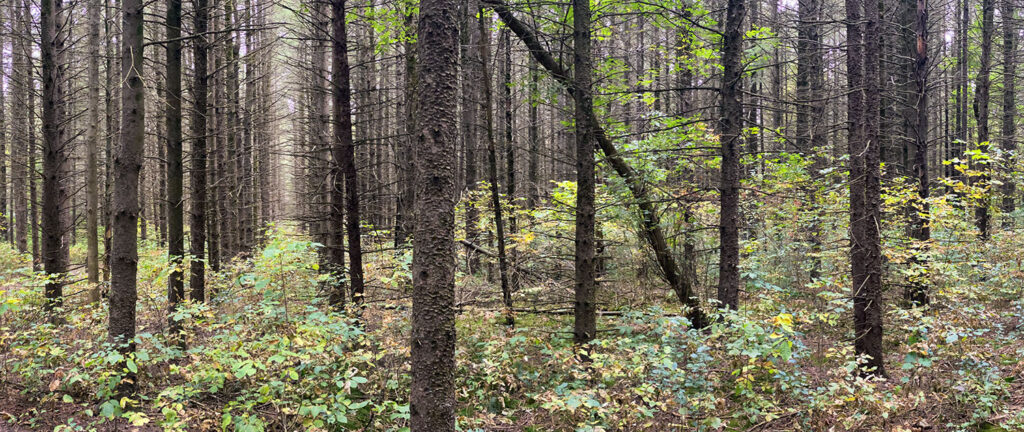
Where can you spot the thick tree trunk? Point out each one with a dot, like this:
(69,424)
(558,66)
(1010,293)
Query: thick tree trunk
(175,173)
(865,262)
(432,396)
(585,324)
(731,127)
(124,254)
(56,196)
(197,219)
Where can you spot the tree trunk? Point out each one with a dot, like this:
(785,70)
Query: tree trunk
(585,324)
(92,143)
(344,149)
(731,128)
(1009,121)
(432,396)
(197,219)
(982,90)
(175,173)
(492,165)
(921,231)
(124,254)
(55,153)
(865,261)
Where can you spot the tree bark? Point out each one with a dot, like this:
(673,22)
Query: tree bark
(175,173)
(197,219)
(585,323)
(731,127)
(344,149)
(124,254)
(982,92)
(432,396)
(55,153)
(921,230)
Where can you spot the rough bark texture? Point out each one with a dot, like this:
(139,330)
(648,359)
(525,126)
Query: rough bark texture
(20,143)
(197,280)
(585,325)
(982,91)
(865,256)
(175,174)
(55,152)
(124,255)
(432,397)
(731,128)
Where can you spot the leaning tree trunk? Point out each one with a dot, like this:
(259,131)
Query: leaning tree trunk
(432,396)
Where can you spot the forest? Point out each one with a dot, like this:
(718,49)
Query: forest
(511,215)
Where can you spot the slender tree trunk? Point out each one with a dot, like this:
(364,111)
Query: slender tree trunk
(56,196)
(175,172)
(982,92)
(197,219)
(124,254)
(406,188)
(1009,121)
(92,142)
(4,217)
(533,172)
(472,79)
(432,396)
(21,123)
(492,165)
(344,149)
(921,229)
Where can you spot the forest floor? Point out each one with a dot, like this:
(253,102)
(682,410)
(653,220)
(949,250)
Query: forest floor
(265,353)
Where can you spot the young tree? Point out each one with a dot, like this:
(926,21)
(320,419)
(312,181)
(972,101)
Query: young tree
(1009,121)
(432,396)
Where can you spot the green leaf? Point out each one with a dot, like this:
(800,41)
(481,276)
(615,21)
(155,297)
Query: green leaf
(130,364)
